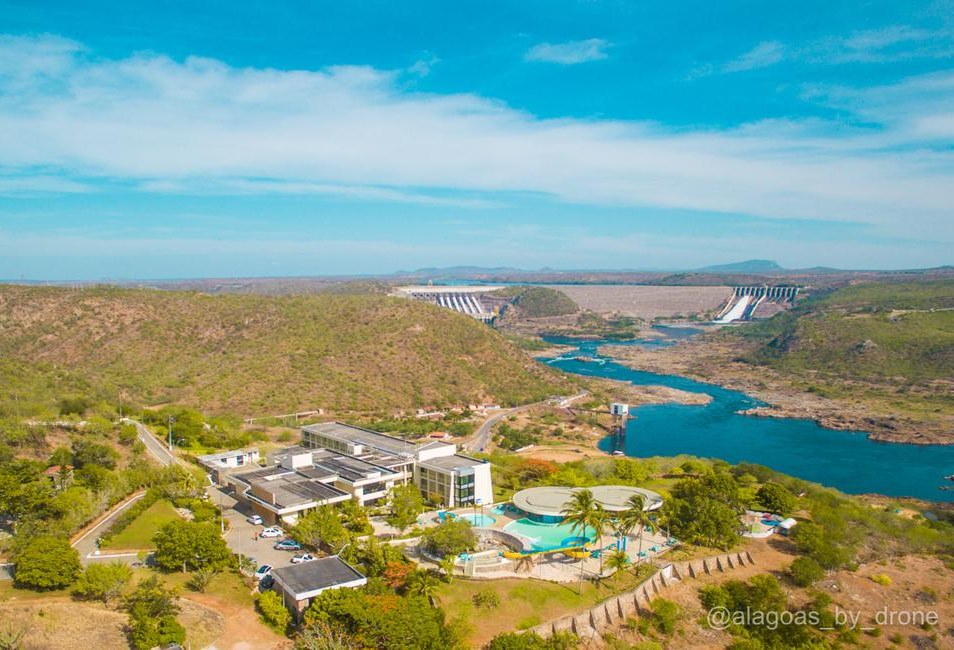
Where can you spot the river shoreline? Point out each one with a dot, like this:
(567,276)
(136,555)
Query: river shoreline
(710,362)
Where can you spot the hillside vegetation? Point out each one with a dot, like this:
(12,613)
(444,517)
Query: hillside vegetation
(539,302)
(252,354)
(868,332)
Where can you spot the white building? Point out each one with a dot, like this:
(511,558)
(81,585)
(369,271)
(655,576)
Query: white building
(222,463)
(443,476)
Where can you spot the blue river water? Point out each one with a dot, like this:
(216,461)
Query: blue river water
(849,461)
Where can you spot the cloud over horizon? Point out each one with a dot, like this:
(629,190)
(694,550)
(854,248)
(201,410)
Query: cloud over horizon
(70,120)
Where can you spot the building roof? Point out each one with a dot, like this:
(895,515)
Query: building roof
(348,433)
(551,500)
(349,468)
(235,453)
(451,462)
(317,575)
(294,490)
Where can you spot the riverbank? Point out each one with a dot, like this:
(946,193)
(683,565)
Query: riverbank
(873,409)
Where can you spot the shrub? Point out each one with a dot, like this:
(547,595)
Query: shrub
(882,579)
(486,598)
(666,615)
(805,571)
(201,578)
(273,611)
(104,582)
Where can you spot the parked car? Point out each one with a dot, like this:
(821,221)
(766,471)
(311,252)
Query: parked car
(304,557)
(274,531)
(266,583)
(263,571)
(288,545)
(256,520)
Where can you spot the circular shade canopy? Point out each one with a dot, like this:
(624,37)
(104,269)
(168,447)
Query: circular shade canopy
(551,500)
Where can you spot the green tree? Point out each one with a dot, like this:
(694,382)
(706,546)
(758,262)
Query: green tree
(321,527)
(273,611)
(87,452)
(423,583)
(152,615)
(382,620)
(406,504)
(46,563)
(533,641)
(190,545)
(805,571)
(452,537)
(776,498)
(105,582)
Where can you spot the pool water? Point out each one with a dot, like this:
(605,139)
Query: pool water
(544,537)
(479,521)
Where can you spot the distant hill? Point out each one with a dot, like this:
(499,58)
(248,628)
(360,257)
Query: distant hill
(748,266)
(249,354)
(872,332)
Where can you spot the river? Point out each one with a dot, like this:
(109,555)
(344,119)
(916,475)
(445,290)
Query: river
(847,460)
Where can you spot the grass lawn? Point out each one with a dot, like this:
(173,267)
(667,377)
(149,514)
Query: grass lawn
(524,603)
(138,535)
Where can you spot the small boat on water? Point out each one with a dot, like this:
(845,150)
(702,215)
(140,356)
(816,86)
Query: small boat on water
(950,477)
(619,452)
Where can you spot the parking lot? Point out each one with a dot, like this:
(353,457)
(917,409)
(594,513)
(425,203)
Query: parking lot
(241,535)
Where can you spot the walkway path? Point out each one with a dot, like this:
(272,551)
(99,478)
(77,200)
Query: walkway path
(85,543)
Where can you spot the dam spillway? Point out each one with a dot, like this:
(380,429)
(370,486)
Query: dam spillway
(753,302)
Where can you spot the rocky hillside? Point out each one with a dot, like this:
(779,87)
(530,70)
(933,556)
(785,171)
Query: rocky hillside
(252,354)
(879,331)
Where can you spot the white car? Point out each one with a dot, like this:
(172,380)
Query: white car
(256,520)
(304,557)
(274,531)
(263,571)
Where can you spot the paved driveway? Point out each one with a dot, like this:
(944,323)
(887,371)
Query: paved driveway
(241,534)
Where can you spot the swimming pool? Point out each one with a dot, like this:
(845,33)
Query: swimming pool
(544,537)
(480,521)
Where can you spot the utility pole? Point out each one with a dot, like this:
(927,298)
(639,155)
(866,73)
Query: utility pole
(171,421)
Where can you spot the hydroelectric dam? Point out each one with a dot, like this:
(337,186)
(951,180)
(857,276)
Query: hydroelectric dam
(748,303)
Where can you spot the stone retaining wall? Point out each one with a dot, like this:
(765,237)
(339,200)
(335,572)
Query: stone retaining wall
(619,608)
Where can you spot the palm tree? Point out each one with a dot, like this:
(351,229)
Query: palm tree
(422,583)
(618,561)
(598,520)
(635,516)
(581,513)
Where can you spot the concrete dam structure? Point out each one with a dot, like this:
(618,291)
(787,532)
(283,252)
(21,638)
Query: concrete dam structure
(748,303)
(464,299)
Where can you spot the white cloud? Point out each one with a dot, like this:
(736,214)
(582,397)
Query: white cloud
(761,56)
(891,43)
(569,53)
(203,126)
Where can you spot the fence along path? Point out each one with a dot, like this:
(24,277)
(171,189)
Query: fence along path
(617,609)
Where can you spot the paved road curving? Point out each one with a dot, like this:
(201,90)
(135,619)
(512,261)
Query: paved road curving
(482,437)
(153,446)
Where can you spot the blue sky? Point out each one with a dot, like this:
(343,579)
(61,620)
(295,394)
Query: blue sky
(189,139)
